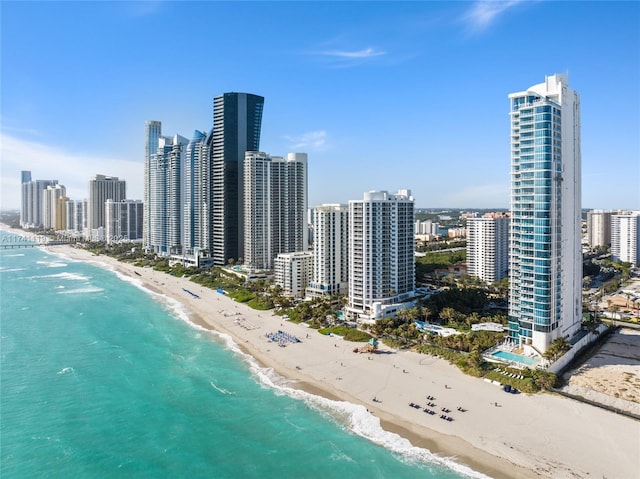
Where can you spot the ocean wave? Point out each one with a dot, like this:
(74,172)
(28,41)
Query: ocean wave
(10,270)
(67,370)
(354,417)
(67,275)
(87,290)
(52,264)
(14,255)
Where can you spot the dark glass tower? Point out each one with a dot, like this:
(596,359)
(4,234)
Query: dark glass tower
(237,118)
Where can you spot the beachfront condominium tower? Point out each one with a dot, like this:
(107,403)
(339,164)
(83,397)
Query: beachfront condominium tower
(101,189)
(275,207)
(25,178)
(123,220)
(292,272)
(330,250)
(165,196)
(237,118)
(152,133)
(545,279)
(381,254)
(625,240)
(488,247)
(197,196)
(50,211)
(32,197)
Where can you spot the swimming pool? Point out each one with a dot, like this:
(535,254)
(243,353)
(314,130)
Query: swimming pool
(518,358)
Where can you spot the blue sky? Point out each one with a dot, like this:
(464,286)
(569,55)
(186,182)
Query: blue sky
(381,95)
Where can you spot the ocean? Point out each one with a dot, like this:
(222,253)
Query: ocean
(103,379)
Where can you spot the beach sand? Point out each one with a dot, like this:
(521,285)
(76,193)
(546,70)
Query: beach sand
(501,435)
(611,376)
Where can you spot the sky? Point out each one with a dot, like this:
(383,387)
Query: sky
(381,95)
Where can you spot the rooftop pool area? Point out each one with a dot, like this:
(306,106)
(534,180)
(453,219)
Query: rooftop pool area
(517,358)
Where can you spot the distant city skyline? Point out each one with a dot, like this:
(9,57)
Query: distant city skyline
(381,95)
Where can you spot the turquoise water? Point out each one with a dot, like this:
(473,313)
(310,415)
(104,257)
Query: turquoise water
(101,379)
(518,358)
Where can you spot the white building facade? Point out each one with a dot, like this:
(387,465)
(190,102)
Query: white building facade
(275,207)
(50,198)
(32,201)
(381,254)
(165,196)
(488,248)
(292,272)
(197,197)
(545,279)
(330,251)
(625,241)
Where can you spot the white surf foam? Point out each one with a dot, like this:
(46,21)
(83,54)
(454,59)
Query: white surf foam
(67,275)
(52,264)
(87,290)
(353,417)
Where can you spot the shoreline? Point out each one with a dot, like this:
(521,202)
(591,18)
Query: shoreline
(534,436)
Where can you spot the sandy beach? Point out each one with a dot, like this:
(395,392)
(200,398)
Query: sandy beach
(501,435)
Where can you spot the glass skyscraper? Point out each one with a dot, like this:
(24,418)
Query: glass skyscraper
(152,134)
(197,196)
(545,260)
(237,119)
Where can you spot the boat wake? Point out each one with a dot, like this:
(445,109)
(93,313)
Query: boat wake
(222,390)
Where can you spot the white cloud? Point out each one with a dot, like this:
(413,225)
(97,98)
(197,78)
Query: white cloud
(310,141)
(71,169)
(483,13)
(366,53)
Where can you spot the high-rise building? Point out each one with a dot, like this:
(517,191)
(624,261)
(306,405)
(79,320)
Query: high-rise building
(237,118)
(625,240)
(488,248)
(197,196)
(101,189)
(381,254)
(599,228)
(152,134)
(123,220)
(545,279)
(275,207)
(61,218)
(50,211)
(292,272)
(330,251)
(32,198)
(165,196)
(25,178)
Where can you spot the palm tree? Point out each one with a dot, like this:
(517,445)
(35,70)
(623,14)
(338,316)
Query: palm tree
(448,315)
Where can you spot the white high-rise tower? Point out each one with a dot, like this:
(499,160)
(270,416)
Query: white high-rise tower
(488,248)
(330,250)
(545,279)
(275,207)
(381,254)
